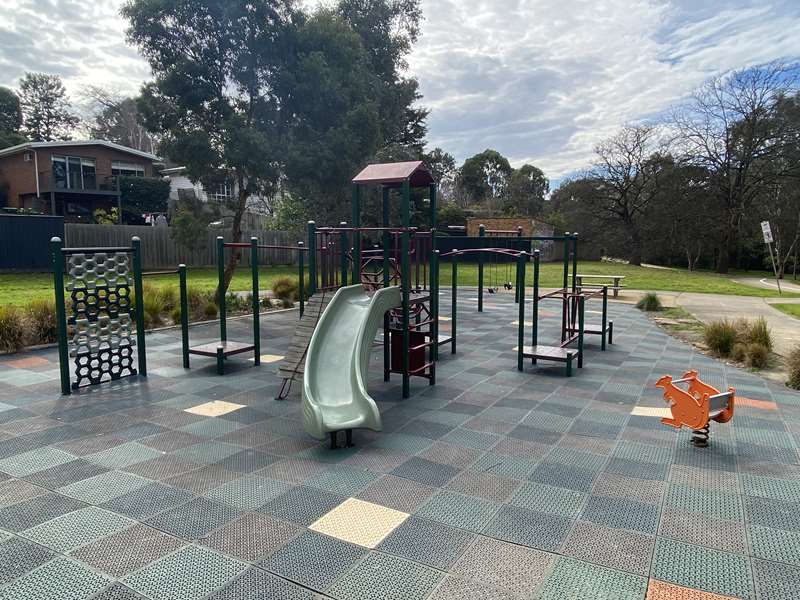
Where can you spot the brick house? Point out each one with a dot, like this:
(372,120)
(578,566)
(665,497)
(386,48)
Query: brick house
(70,179)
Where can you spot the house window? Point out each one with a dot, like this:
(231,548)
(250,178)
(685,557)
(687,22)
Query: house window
(224,192)
(74,173)
(126,169)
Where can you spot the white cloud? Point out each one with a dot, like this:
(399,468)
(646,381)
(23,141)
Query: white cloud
(541,81)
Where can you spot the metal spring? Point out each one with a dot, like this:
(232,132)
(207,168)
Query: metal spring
(700,437)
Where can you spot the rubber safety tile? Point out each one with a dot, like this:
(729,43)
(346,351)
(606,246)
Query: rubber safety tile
(59,579)
(529,528)
(77,528)
(615,548)
(18,556)
(572,578)
(359,522)
(252,537)
(385,577)
(428,542)
(457,510)
(194,519)
(256,584)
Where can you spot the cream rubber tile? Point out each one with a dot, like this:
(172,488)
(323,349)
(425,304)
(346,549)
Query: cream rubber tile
(216,408)
(360,522)
(651,411)
(270,358)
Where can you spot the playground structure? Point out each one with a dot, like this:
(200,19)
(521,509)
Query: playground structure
(696,406)
(101,343)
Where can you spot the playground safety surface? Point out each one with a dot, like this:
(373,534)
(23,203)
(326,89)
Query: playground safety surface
(492,484)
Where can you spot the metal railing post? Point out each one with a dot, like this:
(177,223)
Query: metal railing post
(481,235)
(61,313)
(141,352)
(223,325)
(256,302)
(184,315)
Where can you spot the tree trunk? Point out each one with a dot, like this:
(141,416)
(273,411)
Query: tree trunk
(723,261)
(236,237)
(635,251)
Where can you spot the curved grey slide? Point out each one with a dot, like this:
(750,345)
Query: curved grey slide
(335,394)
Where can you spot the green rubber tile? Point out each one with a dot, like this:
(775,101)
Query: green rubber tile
(118,591)
(565,476)
(428,542)
(194,519)
(643,452)
(410,444)
(762,437)
(456,456)
(548,499)
(637,469)
(341,479)
(211,428)
(249,492)
(483,485)
(457,588)
(34,461)
(683,526)
(772,488)
(469,438)
(608,547)
(773,513)
(546,420)
(397,493)
(77,528)
(302,505)
(190,573)
(529,528)
(629,488)
(714,479)
(142,545)
(505,466)
(620,513)
(252,537)
(13,491)
(572,578)
(59,579)
(426,471)
(377,460)
(147,501)
(36,510)
(65,474)
(162,467)
(577,458)
(386,577)
(457,510)
(123,455)
(508,567)
(702,568)
(207,452)
(321,453)
(775,544)
(776,581)
(256,584)
(721,505)
(199,481)
(313,560)
(19,556)
(105,487)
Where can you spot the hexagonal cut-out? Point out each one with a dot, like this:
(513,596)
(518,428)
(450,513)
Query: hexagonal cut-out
(216,408)
(359,522)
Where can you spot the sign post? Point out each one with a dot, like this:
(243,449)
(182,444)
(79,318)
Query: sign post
(768,239)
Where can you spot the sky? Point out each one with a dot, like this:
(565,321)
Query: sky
(541,81)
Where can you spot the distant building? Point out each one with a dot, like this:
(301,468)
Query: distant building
(71,179)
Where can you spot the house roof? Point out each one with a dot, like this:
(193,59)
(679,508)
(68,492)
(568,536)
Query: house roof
(395,173)
(34,145)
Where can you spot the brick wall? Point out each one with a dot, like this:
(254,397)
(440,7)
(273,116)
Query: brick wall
(530,227)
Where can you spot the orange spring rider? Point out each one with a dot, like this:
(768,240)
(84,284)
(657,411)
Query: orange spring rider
(695,406)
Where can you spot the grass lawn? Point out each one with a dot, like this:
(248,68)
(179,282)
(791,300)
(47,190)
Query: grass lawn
(19,288)
(793,310)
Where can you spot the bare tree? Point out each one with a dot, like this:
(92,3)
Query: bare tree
(627,171)
(728,128)
(117,119)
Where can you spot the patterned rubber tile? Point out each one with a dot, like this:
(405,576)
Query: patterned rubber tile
(386,577)
(359,522)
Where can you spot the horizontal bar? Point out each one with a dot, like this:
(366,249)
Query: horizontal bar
(505,251)
(262,247)
(96,250)
(173,272)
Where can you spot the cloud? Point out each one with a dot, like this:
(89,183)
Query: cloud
(541,81)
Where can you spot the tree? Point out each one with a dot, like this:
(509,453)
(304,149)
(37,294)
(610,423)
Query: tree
(627,171)
(46,110)
(527,189)
(728,129)
(117,119)
(388,30)
(483,180)
(141,195)
(10,119)
(216,65)
(442,166)
(189,225)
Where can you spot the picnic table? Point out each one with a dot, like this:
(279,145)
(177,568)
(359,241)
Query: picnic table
(616,281)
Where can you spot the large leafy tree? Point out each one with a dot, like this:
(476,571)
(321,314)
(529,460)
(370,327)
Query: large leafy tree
(117,119)
(527,188)
(46,110)
(483,180)
(10,119)
(216,64)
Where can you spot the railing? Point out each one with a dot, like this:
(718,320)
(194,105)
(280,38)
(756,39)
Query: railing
(49,183)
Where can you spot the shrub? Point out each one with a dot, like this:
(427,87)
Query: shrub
(152,307)
(267,303)
(12,329)
(760,334)
(739,352)
(650,302)
(236,303)
(209,309)
(285,288)
(793,365)
(757,356)
(720,336)
(42,322)
(287,303)
(175,315)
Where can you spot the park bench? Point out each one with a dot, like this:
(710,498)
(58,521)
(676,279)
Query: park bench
(616,281)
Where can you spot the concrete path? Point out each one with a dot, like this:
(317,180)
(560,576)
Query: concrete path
(769,284)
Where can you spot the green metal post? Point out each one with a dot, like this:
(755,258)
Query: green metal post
(434,291)
(343,256)
(256,303)
(223,324)
(574,262)
(535,328)
(312,257)
(141,351)
(405,244)
(454,302)
(565,286)
(519,247)
(521,300)
(302,281)
(184,315)
(605,319)
(581,306)
(220,360)
(356,235)
(387,241)
(61,313)
(482,235)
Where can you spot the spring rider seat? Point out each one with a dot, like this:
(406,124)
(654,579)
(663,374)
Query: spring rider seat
(696,406)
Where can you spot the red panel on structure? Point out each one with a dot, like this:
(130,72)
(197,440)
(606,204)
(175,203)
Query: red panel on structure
(395,174)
